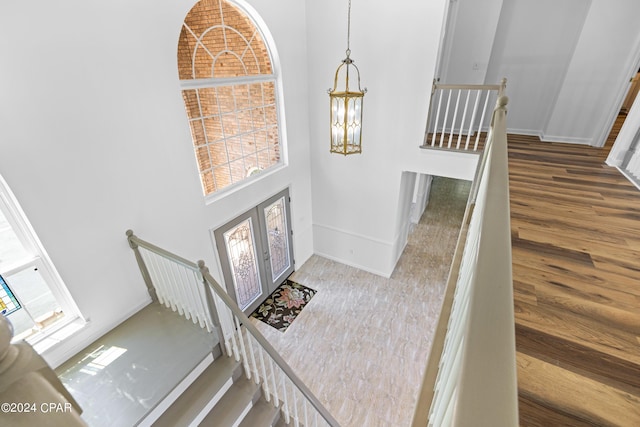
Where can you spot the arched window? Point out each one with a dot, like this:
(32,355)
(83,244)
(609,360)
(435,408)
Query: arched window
(229,90)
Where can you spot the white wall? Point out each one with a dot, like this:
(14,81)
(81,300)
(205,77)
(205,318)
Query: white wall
(596,82)
(567,63)
(473,28)
(356,198)
(533,46)
(94,140)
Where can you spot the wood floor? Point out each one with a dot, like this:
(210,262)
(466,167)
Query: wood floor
(576,269)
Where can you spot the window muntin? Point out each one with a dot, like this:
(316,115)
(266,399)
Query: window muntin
(229,91)
(27,271)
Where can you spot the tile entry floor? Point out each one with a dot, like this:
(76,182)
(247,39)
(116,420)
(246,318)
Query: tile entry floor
(361,344)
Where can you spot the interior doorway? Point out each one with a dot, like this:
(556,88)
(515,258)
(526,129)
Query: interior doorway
(615,144)
(632,93)
(256,251)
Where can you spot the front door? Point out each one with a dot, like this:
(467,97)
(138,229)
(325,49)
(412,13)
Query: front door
(256,251)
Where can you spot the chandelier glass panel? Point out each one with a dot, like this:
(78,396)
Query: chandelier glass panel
(346,105)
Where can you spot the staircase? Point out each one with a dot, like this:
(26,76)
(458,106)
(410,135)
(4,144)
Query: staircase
(243,381)
(159,369)
(220,396)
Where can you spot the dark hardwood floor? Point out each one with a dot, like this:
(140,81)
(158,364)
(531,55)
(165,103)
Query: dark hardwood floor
(576,271)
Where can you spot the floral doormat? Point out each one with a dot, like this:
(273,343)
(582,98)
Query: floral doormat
(284,305)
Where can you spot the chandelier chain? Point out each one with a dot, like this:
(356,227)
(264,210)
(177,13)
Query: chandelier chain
(349,29)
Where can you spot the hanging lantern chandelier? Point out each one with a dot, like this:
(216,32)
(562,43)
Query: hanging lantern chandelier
(346,105)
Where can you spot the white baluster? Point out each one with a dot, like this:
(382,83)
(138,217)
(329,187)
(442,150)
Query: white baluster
(446,114)
(296,419)
(232,333)
(200,298)
(435,125)
(453,121)
(254,365)
(146,256)
(187,288)
(464,117)
(171,294)
(484,110)
(285,400)
(473,118)
(276,394)
(450,385)
(180,292)
(243,352)
(265,378)
(193,287)
(153,258)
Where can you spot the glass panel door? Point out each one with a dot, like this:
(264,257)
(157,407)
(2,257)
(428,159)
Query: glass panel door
(256,251)
(278,253)
(241,248)
(242,270)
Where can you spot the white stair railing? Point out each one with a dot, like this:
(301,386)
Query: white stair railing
(174,282)
(471,374)
(190,289)
(458,118)
(631,163)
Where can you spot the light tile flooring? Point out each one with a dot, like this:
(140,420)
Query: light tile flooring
(362,343)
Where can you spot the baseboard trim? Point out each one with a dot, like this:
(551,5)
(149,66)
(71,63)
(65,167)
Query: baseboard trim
(354,265)
(566,139)
(58,353)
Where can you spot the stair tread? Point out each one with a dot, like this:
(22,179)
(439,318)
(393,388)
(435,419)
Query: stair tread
(187,407)
(263,413)
(233,404)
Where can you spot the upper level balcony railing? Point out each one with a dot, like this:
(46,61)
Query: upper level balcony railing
(459,115)
(471,379)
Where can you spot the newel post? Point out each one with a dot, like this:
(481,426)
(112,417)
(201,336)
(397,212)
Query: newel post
(503,87)
(131,238)
(211,305)
(28,384)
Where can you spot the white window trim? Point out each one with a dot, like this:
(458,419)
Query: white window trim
(276,76)
(18,221)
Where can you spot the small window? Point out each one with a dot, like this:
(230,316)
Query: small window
(230,94)
(32,295)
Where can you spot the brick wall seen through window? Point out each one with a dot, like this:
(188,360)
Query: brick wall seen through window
(229,91)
